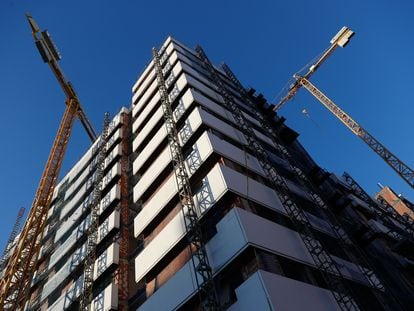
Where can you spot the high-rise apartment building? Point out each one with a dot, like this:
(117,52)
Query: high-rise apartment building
(272,230)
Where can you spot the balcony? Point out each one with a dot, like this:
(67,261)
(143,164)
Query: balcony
(236,231)
(107,226)
(111,196)
(109,257)
(267,291)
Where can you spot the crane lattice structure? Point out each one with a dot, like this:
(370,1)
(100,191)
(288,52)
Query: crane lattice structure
(341,39)
(15,284)
(344,240)
(323,260)
(13,235)
(92,232)
(201,265)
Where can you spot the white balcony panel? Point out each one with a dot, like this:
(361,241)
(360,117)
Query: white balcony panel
(182,106)
(201,151)
(159,246)
(106,300)
(141,84)
(204,89)
(168,297)
(110,256)
(61,250)
(251,189)
(110,223)
(68,223)
(320,224)
(228,241)
(149,79)
(288,243)
(143,100)
(234,232)
(111,196)
(183,50)
(350,270)
(152,172)
(267,291)
(263,137)
(212,190)
(196,74)
(221,126)
(155,118)
(74,202)
(69,295)
(114,139)
(105,260)
(116,120)
(77,183)
(149,148)
(234,153)
(111,174)
(251,119)
(359,202)
(64,272)
(213,106)
(142,76)
(117,151)
(153,102)
(155,204)
(295,188)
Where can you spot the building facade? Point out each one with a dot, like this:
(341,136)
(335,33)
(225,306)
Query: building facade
(402,205)
(278,232)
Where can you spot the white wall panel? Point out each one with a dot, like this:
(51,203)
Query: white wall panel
(107,299)
(149,148)
(268,291)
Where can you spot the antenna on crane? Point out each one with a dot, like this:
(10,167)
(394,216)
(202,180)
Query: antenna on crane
(342,39)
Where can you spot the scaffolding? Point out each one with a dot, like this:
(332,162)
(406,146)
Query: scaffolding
(12,237)
(199,257)
(92,232)
(345,242)
(330,271)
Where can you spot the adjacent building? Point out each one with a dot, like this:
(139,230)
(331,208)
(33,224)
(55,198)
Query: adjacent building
(401,204)
(279,232)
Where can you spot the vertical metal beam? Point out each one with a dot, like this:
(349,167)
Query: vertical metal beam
(12,236)
(22,264)
(92,242)
(203,271)
(323,260)
(121,272)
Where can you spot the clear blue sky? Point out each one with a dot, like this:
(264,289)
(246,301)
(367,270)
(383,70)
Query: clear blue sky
(106,44)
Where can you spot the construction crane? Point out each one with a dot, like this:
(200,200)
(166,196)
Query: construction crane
(15,284)
(12,236)
(341,39)
(51,56)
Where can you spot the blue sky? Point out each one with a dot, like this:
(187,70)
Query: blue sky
(106,44)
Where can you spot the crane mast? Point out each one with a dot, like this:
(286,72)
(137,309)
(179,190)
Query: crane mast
(15,284)
(341,39)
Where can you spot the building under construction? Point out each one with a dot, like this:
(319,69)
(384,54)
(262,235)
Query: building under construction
(207,201)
